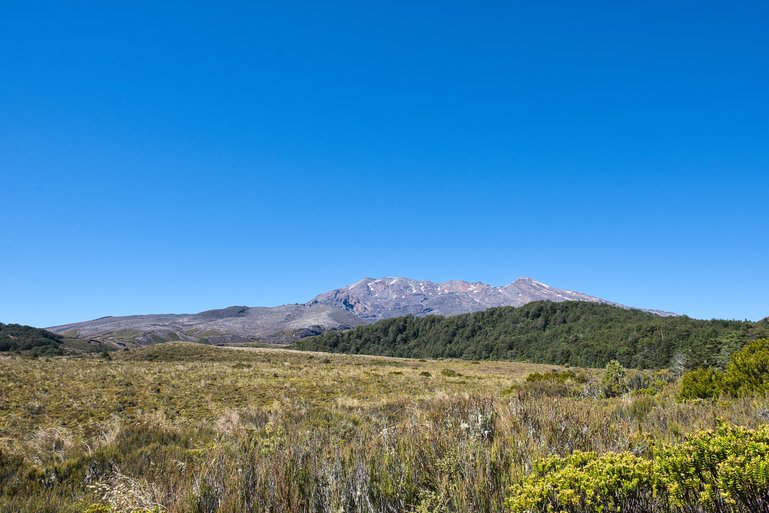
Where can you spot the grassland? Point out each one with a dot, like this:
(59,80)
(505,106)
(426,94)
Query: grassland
(183,427)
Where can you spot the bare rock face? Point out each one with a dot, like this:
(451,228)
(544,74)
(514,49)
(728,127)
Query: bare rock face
(362,302)
(373,299)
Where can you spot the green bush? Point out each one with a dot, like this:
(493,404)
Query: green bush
(748,370)
(723,470)
(550,384)
(700,384)
(586,481)
(726,469)
(539,389)
(557,376)
(614,380)
(747,373)
(99,508)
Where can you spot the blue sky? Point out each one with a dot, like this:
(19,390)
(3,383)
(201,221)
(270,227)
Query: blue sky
(176,157)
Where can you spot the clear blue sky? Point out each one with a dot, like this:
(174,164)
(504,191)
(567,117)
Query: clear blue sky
(181,156)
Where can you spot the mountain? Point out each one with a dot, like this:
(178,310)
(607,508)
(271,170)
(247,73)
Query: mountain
(373,299)
(363,302)
(587,334)
(236,324)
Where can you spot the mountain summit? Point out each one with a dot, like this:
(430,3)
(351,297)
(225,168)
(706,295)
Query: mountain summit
(363,302)
(372,299)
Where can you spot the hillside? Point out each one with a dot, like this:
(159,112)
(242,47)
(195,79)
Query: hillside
(574,333)
(16,337)
(363,302)
(233,325)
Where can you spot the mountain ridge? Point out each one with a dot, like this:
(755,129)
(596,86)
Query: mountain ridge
(377,298)
(366,301)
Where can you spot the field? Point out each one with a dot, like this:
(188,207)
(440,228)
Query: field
(182,427)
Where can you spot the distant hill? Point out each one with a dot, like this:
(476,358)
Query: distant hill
(16,337)
(575,333)
(233,325)
(363,302)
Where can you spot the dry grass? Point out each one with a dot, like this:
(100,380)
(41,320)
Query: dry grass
(196,428)
(177,384)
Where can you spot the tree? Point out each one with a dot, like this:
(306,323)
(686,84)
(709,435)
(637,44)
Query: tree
(614,380)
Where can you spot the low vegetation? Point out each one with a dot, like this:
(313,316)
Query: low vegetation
(16,337)
(747,373)
(720,470)
(573,333)
(191,428)
(35,342)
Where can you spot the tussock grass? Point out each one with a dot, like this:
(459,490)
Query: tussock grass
(183,427)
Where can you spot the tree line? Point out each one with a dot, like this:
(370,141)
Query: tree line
(16,337)
(574,333)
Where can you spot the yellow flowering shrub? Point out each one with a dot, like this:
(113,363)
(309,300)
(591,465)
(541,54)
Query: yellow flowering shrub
(722,470)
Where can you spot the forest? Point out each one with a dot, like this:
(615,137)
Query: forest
(16,337)
(568,333)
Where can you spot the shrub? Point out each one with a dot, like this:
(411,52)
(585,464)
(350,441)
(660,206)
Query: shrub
(557,376)
(99,508)
(551,384)
(586,481)
(748,370)
(722,470)
(700,384)
(614,380)
(545,388)
(726,469)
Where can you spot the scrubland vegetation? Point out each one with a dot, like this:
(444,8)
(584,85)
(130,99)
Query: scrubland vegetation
(34,341)
(747,373)
(192,428)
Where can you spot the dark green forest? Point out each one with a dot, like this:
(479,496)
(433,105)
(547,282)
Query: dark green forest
(575,333)
(15,337)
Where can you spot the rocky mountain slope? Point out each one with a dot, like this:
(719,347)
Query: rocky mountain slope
(363,302)
(374,299)
(236,324)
